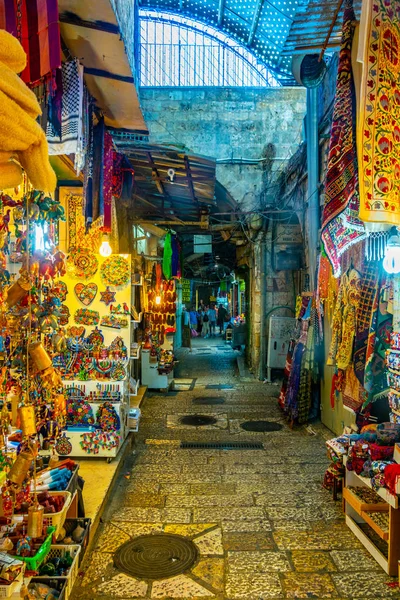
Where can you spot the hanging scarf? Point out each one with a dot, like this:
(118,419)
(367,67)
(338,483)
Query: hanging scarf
(378,133)
(36,25)
(167,257)
(341,226)
(118,174)
(106,182)
(70,141)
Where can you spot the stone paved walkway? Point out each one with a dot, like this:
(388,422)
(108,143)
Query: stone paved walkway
(263,526)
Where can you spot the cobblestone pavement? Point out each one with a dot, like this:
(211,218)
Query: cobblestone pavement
(263,526)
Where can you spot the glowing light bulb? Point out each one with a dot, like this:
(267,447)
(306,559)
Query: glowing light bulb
(158,299)
(391,262)
(105,248)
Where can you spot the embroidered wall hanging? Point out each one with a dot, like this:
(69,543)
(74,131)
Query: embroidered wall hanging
(378,132)
(341,226)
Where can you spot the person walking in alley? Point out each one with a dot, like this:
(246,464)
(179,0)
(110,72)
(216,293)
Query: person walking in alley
(205,330)
(212,315)
(221,318)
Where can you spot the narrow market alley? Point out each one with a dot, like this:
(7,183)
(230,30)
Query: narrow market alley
(262,525)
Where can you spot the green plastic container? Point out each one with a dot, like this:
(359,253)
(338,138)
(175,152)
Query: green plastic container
(34,562)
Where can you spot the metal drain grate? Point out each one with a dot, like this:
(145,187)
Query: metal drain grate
(261,426)
(208,400)
(156,556)
(219,386)
(222,446)
(198,420)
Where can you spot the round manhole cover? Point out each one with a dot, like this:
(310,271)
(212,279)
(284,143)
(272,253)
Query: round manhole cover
(156,556)
(208,400)
(198,420)
(261,426)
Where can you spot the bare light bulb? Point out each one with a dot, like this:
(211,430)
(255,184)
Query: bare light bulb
(105,248)
(158,299)
(391,262)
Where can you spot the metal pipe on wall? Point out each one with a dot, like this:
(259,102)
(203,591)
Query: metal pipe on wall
(263,306)
(313,180)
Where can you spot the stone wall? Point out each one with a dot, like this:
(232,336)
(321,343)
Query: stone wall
(232,124)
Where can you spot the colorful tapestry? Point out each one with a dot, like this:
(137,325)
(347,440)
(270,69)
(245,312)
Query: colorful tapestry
(365,312)
(70,141)
(375,377)
(341,226)
(378,132)
(286,373)
(35,24)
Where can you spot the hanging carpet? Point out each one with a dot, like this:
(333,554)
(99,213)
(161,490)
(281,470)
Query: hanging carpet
(341,226)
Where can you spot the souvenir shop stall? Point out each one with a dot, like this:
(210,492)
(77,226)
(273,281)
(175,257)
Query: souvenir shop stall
(65,309)
(355,309)
(160,316)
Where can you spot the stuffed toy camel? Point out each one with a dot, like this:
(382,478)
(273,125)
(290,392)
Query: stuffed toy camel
(22,141)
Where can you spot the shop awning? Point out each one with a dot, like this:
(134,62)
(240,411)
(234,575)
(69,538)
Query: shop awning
(170,185)
(90,31)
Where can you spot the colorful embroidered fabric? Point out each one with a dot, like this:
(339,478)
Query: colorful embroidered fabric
(378,134)
(352,394)
(392,475)
(106,184)
(286,373)
(365,310)
(341,226)
(36,25)
(344,320)
(70,141)
(118,174)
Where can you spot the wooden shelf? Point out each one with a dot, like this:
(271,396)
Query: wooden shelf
(359,505)
(368,544)
(383,533)
(382,492)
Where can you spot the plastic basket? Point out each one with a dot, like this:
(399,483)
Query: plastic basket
(57,519)
(34,562)
(70,525)
(58,583)
(60,551)
(13,588)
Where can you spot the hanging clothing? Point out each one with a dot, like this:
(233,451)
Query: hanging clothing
(378,132)
(35,23)
(341,226)
(70,141)
(167,257)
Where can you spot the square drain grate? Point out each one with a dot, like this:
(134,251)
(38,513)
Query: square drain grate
(222,446)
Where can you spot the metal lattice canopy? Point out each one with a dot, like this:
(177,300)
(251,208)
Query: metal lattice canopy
(274,30)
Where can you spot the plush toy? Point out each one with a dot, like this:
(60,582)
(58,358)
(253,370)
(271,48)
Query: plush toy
(22,141)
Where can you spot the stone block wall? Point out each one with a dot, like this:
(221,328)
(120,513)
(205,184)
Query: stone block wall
(231,123)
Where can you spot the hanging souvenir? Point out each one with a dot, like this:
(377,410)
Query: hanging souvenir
(115,271)
(63,446)
(114,322)
(76,332)
(63,315)
(24,545)
(118,372)
(27,419)
(60,291)
(108,297)
(79,412)
(82,263)
(107,417)
(86,293)
(20,467)
(85,316)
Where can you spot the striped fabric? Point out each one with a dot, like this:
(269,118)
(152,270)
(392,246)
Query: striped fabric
(35,24)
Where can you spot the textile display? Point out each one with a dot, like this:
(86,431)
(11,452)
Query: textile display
(286,373)
(392,475)
(378,131)
(366,308)
(344,320)
(70,141)
(167,257)
(352,394)
(20,134)
(35,24)
(341,226)
(106,182)
(118,174)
